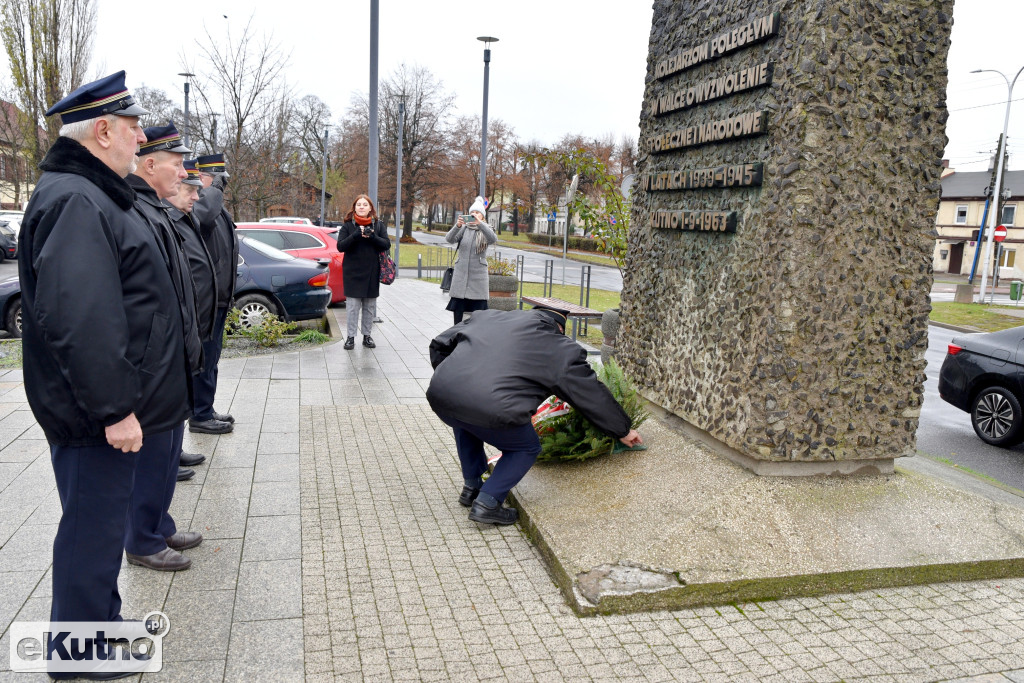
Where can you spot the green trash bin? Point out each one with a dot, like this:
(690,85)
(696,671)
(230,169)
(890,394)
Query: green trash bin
(1015,290)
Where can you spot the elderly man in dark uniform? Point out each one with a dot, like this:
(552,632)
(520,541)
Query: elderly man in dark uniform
(218,231)
(106,377)
(490,374)
(203,277)
(152,540)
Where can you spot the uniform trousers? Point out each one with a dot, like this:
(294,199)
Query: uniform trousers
(95,486)
(519,446)
(204,384)
(156,474)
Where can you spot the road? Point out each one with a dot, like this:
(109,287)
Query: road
(946,432)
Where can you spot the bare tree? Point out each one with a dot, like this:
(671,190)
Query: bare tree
(243,84)
(427,113)
(48,45)
(161,108)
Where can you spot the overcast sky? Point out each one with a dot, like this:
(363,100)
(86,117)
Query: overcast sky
(560,66)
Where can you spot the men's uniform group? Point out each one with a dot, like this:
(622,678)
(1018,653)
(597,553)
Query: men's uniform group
(126,273)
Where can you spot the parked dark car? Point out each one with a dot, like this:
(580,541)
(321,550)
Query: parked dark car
(983,374)
(269,281)
(304,241)
(10,306)
(8,241)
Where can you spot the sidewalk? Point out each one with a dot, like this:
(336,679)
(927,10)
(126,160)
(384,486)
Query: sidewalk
(335,550)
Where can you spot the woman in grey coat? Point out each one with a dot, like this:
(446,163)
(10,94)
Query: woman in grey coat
(469,288)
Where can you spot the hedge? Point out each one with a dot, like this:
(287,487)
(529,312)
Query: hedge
(581,243)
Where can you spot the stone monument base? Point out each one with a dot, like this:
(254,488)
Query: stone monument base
(679,526)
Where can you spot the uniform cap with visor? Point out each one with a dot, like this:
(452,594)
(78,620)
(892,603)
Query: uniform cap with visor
(108,95)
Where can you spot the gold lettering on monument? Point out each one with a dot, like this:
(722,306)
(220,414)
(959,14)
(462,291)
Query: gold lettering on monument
(750,33)
(695,221)
(738,175)
(756,76)
(739,126)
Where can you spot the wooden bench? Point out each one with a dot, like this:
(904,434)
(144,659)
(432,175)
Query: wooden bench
(575,310)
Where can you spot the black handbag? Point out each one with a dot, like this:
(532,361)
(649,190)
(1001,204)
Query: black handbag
(446,279)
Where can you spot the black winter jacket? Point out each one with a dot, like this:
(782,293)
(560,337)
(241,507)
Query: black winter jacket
(98,307)
(154,213)
(201,264)
(218,231)
(495,369)
(361,267)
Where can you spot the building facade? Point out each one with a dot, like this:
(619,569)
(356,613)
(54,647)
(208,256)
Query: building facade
(962,211)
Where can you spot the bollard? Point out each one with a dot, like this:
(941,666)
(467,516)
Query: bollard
(419,266)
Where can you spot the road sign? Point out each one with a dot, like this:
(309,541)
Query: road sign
(999,234)
(553,215)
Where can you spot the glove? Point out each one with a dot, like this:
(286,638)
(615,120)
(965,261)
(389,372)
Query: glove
(220,181)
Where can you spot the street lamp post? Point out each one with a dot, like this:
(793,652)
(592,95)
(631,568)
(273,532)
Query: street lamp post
(372,171)
(213,133)
(993,218)
(188,128)
(323,181)
(398,197)
(487,40)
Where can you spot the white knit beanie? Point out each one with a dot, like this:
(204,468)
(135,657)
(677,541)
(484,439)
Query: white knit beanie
(479,205)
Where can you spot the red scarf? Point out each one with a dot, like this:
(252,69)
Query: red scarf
(362,221)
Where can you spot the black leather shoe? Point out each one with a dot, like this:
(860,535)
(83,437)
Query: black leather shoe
(167,560)
(183,540)
(184,474)
(210,426)
(350,344)
(502,516)
(223,417)
(191,459)
(368,342)
(467,496)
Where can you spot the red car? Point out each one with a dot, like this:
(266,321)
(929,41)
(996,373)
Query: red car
(304,241)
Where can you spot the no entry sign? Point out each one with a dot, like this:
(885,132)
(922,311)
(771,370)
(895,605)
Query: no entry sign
(999,234)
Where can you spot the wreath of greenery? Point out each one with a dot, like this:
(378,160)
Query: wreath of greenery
(572,437)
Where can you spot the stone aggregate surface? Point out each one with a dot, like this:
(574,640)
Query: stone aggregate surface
(335,550)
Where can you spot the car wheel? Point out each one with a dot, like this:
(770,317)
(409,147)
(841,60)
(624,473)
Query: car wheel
(254,308)
(996,417)
(13,322)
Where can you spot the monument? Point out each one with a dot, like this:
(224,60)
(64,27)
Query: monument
(776,289)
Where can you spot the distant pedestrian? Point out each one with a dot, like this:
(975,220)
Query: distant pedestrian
(490,374)
(362,238)
(469,290)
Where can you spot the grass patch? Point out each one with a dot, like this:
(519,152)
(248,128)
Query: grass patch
(982,317)
(433,255)
(10,354)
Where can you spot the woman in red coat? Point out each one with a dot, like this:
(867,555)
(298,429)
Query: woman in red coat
(362,238)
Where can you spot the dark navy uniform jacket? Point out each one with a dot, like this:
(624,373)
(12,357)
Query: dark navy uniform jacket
(99,308)
(495,370)
(218,232)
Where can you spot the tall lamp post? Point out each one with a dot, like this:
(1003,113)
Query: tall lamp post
(487,40)
(188,127)
(993,218)
(323,181)
(398,198)
(372,171)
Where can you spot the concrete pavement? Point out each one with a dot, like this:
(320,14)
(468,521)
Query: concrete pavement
(335,550)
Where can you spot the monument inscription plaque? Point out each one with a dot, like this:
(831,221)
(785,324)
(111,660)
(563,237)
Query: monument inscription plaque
(776,289)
